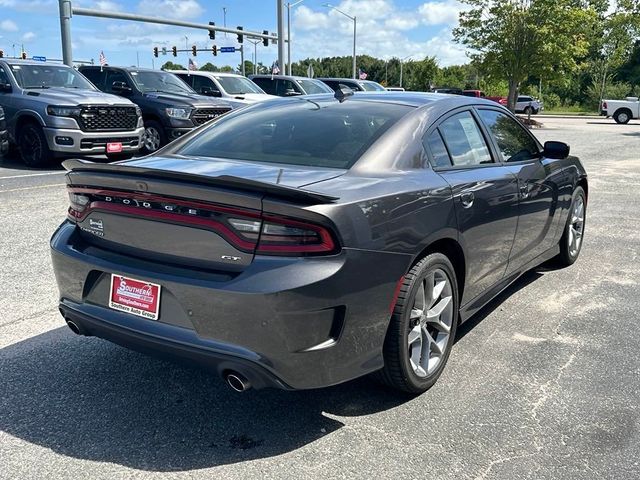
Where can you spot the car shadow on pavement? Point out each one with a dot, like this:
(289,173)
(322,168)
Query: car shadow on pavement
(522,282)
(88,399)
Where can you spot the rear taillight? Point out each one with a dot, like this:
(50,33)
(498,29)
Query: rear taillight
(604,105)
(246,230)
(78,204)
(284,236)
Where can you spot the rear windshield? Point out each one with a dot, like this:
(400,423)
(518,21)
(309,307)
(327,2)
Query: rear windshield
(320,134)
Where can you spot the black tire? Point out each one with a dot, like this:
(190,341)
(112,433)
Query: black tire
(622,116)
(151,126)
(33,146)
(398,372)
(569,255)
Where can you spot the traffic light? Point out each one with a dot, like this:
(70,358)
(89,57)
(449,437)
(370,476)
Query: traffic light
(174,51)
(240,36)
(1,53)
(265,41)
(194,50)
(23,55)
(212,33)
(155,52)
(214,50)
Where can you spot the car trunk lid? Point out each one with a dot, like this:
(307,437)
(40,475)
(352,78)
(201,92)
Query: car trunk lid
(178,214)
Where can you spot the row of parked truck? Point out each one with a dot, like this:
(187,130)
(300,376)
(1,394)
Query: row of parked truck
(50,110)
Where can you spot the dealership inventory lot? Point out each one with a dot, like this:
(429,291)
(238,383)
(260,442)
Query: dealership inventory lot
(544,383)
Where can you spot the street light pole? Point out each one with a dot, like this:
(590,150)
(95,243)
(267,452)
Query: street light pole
(289,7)
(328,5)
(255,54)
(401,62)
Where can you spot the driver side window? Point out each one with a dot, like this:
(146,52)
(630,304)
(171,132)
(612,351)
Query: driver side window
(115,77)
(515,144)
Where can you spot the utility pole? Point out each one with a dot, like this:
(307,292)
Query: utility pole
(281,35)
(65,31)
(242,60)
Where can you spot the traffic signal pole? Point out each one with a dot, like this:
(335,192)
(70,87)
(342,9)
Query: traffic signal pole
(67,11)
(65,31)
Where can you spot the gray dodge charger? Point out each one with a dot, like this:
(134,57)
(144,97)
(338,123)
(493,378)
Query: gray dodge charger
(304,242)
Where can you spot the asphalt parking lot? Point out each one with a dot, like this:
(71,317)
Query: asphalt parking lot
(544,383)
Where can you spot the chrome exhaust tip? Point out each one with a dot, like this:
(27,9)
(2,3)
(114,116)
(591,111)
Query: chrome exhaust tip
(237,382)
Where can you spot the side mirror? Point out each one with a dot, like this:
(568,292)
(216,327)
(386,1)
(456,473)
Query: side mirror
(558,150)
(5,88)
(121,87)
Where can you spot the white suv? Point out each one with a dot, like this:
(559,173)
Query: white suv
(235,89)
(526,104)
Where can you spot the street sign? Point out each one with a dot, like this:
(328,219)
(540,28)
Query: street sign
(38,58)
(227,49)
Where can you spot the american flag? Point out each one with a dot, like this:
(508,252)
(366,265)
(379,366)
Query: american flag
(103,59)
(275,68)
(362,75)
(192,65)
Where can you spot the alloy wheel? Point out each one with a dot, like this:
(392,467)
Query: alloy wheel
(151,139)
(576,226)
(430,323)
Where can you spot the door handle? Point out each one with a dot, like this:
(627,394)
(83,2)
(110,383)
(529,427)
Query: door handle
(466,199)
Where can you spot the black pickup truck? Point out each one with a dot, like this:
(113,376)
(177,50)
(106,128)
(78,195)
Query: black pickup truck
(170,108)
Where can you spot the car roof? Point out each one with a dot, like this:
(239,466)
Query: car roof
(19,61)
(344,79)
(128,69)
(281,77)
(204,72)
(438,101)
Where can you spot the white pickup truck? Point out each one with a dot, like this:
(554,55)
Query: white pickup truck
(621,110)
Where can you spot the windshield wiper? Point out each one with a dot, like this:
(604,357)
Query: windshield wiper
(37,86)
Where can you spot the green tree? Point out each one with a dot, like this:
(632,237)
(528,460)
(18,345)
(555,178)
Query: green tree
(172,66)
(209,67)
(512,39)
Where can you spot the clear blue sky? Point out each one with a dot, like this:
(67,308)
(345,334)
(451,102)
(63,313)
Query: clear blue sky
(386,28)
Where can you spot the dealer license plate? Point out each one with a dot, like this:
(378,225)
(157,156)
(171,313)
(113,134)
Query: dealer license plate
(135,296)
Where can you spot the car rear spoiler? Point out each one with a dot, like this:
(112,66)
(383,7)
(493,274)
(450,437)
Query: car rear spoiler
(228,181)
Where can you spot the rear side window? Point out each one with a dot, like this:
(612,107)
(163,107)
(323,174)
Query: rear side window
(95,76)
(515,144)
(327,134)
(434,144)
(199,82)
(112,77)
(464,140)
(269,86)
(286,87)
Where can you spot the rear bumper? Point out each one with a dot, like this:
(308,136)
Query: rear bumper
(293,323)
(168,341)
(91,143)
